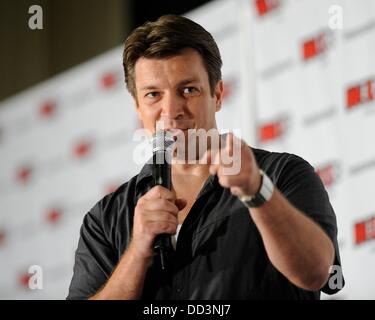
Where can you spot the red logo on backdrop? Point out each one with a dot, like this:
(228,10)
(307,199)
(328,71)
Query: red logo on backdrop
(228,88)
(24,174)
(53,216)
(265,6)
(111,188)
(360,93)
(23,279)
(82,149)
(227,91)
(2,237)
(47,109)
(315,46)
(109,80)
(328,173)
(364,231)
(271,131)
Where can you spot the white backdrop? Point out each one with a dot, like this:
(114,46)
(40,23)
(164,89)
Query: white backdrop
(292,84)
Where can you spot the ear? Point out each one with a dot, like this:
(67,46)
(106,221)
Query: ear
(219,89)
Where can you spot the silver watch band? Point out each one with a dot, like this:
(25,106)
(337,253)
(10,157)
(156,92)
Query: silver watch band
(263,195)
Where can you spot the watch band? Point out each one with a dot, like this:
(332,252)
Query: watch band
(262,196)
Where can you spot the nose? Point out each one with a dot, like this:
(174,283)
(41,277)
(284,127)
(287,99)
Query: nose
(172,106)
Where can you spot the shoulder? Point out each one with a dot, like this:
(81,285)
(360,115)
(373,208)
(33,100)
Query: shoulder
(291,174)
(280,165)
(115,199)
(274,158)
(113,209)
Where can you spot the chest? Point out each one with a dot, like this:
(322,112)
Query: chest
(222,256)
(189,191)
(190,196)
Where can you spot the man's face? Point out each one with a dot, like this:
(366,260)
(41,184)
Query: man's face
(176,91)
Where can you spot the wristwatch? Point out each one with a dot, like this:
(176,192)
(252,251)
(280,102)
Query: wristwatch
(262,196)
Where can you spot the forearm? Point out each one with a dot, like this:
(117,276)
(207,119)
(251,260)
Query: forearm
(296,245)
(126,282)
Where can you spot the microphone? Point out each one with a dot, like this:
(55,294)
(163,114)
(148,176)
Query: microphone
(162,143)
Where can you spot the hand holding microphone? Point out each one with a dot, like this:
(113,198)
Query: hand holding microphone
(155,216)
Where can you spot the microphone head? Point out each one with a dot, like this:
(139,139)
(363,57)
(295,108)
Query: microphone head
(162,141)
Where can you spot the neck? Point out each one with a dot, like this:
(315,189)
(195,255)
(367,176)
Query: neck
(199,170)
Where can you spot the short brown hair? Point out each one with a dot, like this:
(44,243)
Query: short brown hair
(166,37)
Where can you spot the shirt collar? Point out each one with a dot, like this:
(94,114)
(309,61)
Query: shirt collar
(144,180)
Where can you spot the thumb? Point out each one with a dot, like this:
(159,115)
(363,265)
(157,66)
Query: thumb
(180,203)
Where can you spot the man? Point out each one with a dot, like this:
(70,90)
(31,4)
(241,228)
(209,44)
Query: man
(267,231)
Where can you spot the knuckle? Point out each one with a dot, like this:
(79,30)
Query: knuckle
(164,227)
(156,190)
(159,190)
(168,205)
(139,209)
(141,201)
(140,220)
(154,193)
(169,217)
(164,202)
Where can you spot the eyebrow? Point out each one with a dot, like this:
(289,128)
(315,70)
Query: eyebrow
(187,81)
(181,83)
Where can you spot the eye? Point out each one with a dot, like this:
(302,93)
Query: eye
(190,90)
(152,94)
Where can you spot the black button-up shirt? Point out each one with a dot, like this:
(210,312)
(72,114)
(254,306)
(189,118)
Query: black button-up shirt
(219,252)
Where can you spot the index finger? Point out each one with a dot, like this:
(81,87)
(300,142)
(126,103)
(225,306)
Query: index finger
(229,143)
(160,192)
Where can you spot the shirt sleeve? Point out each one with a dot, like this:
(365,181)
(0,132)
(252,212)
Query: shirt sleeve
(95,257)
(299,183)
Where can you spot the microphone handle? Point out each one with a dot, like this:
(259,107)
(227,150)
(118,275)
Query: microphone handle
(162,176)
